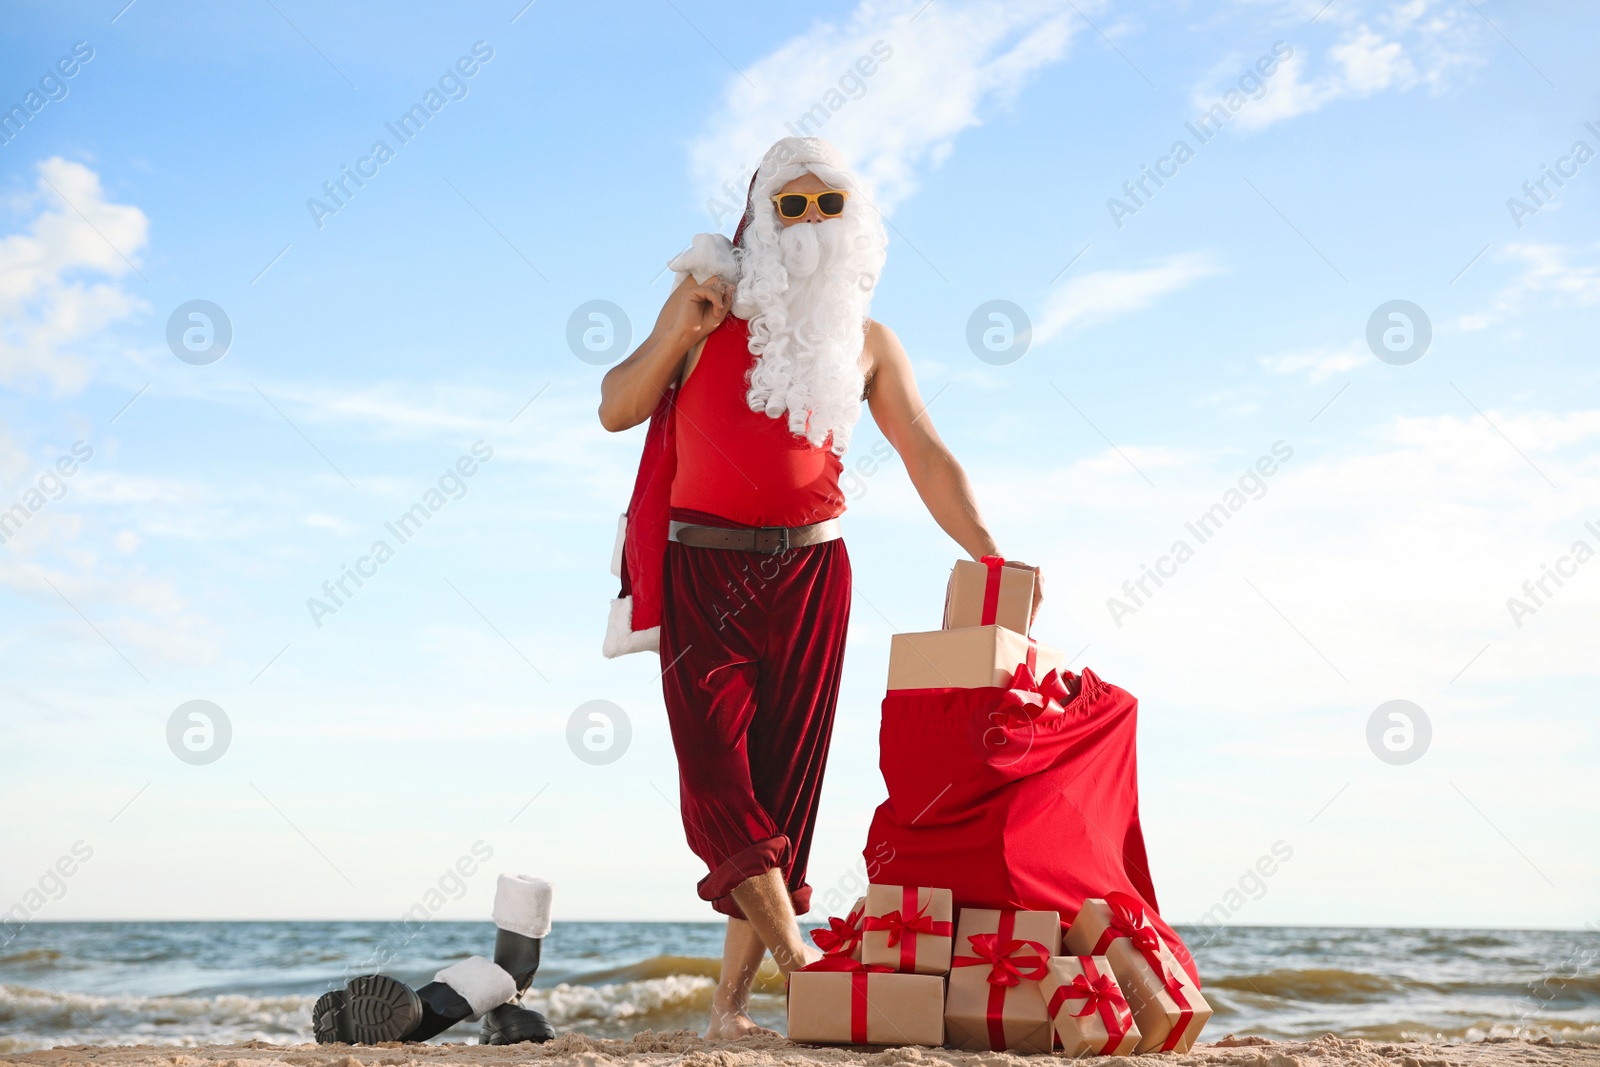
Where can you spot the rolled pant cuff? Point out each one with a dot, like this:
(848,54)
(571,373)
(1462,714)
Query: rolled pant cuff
(743,865)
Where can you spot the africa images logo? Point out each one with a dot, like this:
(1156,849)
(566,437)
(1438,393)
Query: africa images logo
(451,86)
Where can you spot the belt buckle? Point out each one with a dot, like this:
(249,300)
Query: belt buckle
(781,536)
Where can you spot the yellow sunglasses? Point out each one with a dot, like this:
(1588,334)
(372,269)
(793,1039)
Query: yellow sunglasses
(830,203)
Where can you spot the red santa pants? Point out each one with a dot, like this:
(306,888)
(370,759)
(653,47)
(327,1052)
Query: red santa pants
(753,645)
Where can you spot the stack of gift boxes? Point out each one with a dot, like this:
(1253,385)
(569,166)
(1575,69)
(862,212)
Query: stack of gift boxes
(987,609)
(881,978)
(897,971)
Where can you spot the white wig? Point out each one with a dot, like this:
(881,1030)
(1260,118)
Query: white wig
(806,290)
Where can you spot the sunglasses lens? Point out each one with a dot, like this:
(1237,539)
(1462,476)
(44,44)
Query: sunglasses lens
(791,206)
(831,204)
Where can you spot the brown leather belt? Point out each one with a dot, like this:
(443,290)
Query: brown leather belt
(768,540)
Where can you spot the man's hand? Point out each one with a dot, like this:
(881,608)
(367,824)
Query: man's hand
(701,308)
(633,388)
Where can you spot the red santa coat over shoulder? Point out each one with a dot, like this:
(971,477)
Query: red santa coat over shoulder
(634,624)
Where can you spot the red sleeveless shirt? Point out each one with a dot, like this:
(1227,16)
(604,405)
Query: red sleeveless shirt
(737,464)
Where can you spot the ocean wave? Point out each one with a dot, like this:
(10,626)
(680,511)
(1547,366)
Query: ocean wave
(1335,986)
(1320,984)
(36,1018)
(574,1005)
(1480,1030)
(768,980)
(1453,942)
(661,993)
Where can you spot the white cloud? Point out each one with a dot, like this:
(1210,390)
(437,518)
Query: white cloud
(1377,48)
(61,278)
(948,64)
(1368,63)
(1549,278)
(1322,363)
(144,617)
(319,521)
(1394,555)
(1105,294)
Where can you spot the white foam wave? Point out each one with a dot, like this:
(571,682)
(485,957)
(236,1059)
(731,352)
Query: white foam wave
(570,1005)
(35,1019)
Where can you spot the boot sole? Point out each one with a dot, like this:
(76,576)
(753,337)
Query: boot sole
(368,1010)
(326,1016)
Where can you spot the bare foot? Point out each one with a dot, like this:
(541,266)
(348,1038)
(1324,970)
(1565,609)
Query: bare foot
(730,1025)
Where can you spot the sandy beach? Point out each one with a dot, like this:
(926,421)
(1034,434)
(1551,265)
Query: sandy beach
(652,1049)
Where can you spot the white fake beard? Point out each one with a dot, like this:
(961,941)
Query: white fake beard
(806,290)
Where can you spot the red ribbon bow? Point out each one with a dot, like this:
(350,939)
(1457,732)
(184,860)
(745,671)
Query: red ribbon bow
(904,926)
(1036,696)
(1099,994)
(841,936)
(1006,970)
(1129,920)
(898,926)
(845,963)
(1009,960)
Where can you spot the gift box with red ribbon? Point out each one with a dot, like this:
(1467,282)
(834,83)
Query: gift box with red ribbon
(971,658)
(842,937)
(908,928)
(841,1001)
(1090,1015)
(994,1001)
(989,593)
(1165,1001)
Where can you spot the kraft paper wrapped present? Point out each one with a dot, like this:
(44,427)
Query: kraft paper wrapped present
(1165,1001)
(989,593)
(995,1003)
(840,1001)
(968,658)
(1086,1007)
(909,928)
(842,937)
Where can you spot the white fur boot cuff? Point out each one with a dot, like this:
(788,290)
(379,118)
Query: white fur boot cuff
(522,905)
(482,984)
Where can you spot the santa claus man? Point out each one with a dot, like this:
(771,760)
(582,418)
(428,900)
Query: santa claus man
(732,561)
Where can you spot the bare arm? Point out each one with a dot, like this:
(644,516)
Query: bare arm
(936,473)
(631,390)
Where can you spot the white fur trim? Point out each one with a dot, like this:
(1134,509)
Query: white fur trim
(482,984)
(522,905)
(616,549)
(622,638)
(707,254)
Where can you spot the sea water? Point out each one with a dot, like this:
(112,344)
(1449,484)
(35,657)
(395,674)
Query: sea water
(175,983)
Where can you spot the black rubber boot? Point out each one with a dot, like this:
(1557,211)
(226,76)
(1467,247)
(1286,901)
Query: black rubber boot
(442,1008)
(376,1008)
(511,1024)
(369,1009)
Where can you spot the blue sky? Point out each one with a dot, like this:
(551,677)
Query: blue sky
(1226,314)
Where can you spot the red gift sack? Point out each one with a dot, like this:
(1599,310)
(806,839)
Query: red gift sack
(1021,798)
